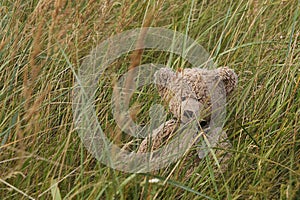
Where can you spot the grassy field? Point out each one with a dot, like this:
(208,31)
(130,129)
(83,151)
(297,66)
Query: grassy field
(42,44)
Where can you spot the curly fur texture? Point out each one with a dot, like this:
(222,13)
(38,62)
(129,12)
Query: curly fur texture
(188,93)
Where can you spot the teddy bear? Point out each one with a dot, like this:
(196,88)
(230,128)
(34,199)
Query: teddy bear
(188,93)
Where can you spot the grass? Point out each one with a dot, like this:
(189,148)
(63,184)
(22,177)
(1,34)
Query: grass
(41,156)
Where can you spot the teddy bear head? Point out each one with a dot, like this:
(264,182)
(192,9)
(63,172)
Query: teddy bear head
(188,92)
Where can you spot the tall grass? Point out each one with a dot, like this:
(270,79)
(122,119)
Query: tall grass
(41,156)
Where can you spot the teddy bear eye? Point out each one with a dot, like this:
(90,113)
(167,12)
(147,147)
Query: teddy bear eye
(203,123)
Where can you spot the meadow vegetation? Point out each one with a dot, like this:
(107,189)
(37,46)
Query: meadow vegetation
(42,45)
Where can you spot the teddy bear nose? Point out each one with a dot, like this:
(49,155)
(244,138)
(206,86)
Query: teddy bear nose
(189,114)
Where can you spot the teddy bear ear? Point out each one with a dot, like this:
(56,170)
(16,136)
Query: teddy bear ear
(229,78)
(164,76)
